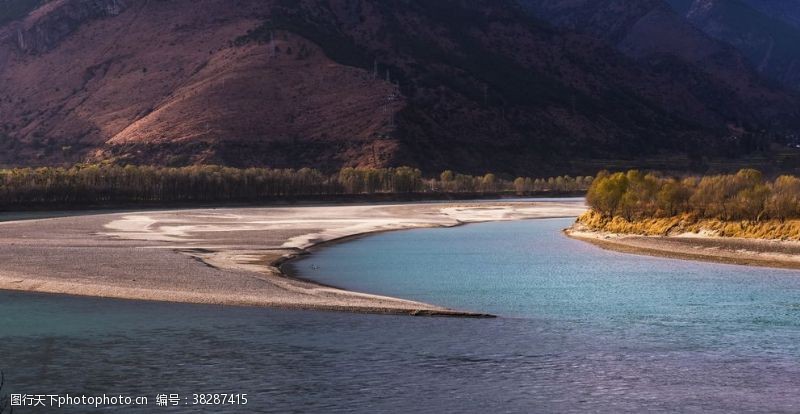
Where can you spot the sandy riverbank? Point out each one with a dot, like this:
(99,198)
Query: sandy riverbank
(224,256)
(701,247)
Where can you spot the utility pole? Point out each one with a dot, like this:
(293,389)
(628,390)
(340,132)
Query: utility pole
(387,104)
(272,43)
(21,39)
(391,118)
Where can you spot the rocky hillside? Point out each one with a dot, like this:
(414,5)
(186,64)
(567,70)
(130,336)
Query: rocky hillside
(472,85)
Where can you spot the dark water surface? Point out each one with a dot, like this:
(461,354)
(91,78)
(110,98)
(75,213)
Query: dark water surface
(582,330)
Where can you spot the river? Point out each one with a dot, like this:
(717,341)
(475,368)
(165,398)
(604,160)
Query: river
(580,329)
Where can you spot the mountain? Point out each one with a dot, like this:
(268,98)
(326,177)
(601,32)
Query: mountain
(653,31)
(766,32)
(161,82)
(786,10)
(472,85)
(11,10)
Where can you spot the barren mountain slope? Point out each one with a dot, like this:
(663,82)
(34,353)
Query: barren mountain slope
(164,73)
(473,85)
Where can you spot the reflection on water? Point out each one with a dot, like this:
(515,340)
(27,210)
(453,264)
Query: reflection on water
(583,330)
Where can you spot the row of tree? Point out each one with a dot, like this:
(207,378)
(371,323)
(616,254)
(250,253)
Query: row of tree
(109,184)
(745,195)
(450,182)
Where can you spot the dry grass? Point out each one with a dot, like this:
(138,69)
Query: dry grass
(687,223)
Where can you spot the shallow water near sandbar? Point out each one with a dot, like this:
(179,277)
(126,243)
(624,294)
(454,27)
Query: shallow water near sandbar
(581,329)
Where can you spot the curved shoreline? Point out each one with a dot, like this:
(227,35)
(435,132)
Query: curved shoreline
(303,253)
(226,256)
(723,250)
(287,260)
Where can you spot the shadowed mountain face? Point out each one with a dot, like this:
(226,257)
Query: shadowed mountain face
(766,32)
(11,10)
(699,32)
(472,85)
(786,10)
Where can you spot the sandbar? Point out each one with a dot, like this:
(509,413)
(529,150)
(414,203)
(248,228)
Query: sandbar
(227,256)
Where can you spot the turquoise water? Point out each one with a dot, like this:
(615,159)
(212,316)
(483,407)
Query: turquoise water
(581,329)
